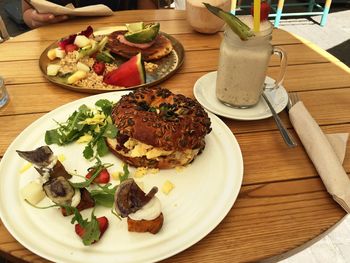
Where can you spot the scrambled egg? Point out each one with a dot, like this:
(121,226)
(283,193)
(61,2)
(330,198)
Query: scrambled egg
(141,171)
(139,149)
(61,157)
(85,138)
(167,187)
(98,118)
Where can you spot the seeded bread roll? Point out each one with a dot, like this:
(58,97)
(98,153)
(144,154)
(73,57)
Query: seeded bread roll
(158,129)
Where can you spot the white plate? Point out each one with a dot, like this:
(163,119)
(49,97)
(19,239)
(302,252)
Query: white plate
(204,91)
(204,193)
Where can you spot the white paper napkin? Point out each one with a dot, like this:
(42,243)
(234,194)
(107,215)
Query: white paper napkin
(43,6)
(326,159)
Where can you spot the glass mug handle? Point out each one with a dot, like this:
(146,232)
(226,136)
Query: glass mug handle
(283,65)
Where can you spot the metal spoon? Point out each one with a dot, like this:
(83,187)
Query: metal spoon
(287,137)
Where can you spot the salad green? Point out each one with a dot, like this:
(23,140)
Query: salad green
(93,125)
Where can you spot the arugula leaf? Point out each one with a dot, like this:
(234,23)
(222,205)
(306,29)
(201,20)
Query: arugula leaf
(111,131)
(88,152)
(102,148)
(105,200)
(92,231)
(105,195)
(87,182)
(125,175)
(52,137)
(105,105)
(97,168)
(77,216)
(91,228)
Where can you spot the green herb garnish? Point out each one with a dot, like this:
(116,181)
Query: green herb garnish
(125,175)
(105,195)
(94,123)
(91,228)
(97,168)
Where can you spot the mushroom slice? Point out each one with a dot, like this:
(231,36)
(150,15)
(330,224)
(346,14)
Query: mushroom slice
(45,162)
(40,157)
(59,190)
(129,197)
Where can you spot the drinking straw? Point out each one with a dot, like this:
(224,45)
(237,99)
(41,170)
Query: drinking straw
(257,7)
(233,6)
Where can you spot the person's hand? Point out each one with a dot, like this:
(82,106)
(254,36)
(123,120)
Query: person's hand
(34,19)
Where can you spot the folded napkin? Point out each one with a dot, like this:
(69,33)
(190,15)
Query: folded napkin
(43,6)
(326,152)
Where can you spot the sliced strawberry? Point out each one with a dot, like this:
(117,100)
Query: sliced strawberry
(70,48)
(79,230)
(102,225)
(99,67)
(264,10)
(102,178)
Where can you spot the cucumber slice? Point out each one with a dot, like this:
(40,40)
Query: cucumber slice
(237,26)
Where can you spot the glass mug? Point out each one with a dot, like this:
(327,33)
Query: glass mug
(201,19)
(243,65)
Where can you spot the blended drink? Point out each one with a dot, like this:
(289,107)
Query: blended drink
(201,19)
(243,65)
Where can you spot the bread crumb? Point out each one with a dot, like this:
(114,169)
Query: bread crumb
(167,187)
(142,171)
(179,169)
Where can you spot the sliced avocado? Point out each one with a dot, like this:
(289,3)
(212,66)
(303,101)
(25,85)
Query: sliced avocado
(134,27)
(145,35)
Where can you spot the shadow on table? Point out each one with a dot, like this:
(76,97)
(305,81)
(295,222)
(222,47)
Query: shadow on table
(342,51)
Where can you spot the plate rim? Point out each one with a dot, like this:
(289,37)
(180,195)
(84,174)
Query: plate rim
(178,48)
(197,90)
(232,197)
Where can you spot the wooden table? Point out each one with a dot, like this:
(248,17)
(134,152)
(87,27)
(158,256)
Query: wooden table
(282,203)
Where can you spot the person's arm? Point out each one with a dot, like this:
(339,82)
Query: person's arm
(147,4)
(33,19)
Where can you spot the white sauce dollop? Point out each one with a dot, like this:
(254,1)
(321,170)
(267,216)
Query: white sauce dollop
(149,211)
(76,198)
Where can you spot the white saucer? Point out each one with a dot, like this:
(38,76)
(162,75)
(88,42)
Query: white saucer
(204,91)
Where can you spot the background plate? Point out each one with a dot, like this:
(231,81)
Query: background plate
(167,65)
(204,193)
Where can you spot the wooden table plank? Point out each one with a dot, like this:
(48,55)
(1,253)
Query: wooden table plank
(324,76)
(172,22)
(208,46)
(287,166)
(248,219)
